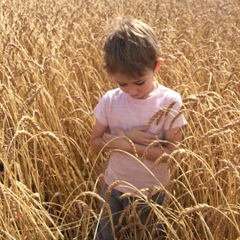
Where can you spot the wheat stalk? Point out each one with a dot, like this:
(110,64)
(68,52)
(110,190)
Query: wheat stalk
(82,206)
(55,139)
(198,208)
(29,121)
(57,46)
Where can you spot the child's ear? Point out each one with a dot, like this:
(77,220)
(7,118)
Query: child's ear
(158,65)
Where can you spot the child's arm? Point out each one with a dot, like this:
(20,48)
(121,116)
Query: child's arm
(96,141)
(172,137)
(140,136)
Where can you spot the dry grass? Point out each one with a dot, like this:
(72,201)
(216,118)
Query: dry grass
(51,78)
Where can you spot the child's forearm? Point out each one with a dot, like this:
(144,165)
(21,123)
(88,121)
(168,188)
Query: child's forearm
(139,135)
(148,152)
(153,152)
(97,144)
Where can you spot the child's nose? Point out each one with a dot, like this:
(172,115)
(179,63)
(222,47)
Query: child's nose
(132,91)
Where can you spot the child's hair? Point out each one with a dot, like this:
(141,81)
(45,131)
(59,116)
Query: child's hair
(130,48)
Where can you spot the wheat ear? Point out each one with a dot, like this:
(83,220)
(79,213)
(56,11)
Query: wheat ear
(190,210)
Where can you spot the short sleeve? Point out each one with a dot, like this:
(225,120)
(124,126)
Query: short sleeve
(100,111)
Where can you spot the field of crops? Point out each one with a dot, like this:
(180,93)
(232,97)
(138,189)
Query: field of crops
(51,78)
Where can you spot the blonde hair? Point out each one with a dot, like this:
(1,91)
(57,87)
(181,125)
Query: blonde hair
(130,48)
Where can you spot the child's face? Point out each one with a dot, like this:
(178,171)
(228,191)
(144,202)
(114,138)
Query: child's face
(139,87)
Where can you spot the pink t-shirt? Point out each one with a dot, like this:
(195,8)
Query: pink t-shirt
(119,110)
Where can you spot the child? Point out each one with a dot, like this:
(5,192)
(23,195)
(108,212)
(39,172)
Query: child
(132,57)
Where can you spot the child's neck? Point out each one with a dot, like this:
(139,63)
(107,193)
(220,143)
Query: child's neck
(153,90)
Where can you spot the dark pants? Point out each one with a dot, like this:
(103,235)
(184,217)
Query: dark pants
(144,215)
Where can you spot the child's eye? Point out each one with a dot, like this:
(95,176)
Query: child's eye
(122,84)
(140,83)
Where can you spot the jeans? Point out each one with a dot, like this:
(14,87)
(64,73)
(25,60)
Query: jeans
(117,207)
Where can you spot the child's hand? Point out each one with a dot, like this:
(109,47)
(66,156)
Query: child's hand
(140,136)
(118,143)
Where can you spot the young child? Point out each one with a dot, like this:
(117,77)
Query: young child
(132,57)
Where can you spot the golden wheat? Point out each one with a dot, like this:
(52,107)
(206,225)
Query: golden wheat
(52,77)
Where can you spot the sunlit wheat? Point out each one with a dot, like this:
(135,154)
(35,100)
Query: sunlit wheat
(51,78)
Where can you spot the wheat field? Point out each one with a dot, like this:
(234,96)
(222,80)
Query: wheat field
(51,78)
